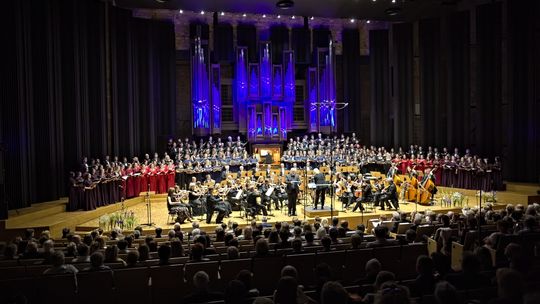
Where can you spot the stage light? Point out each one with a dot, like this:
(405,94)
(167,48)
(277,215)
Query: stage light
(285,4)
(202,12)
(311,18)
(243,15)
(181,11)
(222,13)
(368,21)
(393,1)
(264,16)
(293,17)
(352,20)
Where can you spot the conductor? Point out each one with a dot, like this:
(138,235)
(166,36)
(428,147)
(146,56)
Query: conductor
(293,188)
(320,191)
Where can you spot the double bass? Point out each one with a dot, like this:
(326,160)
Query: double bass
(425,190)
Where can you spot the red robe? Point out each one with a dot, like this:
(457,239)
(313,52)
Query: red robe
(152,179)
(161,180)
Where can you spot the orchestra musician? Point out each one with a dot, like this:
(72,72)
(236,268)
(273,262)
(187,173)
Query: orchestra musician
(174,204)
(215,203)
(293,188)
(196,199)
(320,191)
(253,205)
(366,195)
(389,195)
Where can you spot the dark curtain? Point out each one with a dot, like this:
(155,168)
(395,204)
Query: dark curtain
(458,81)
(351,79)
(429,41)
(57,104)
(402,80)
(381,122)
(279,37)
(523,163)
(321,37)
(246,35)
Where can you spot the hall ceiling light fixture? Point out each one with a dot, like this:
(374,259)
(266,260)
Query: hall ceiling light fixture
(285,4)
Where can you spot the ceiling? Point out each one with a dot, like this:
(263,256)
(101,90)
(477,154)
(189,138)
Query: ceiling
(359,9)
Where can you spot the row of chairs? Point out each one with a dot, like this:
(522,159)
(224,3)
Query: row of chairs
(160,283)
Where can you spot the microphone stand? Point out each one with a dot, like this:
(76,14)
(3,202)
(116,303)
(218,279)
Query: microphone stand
(148,208)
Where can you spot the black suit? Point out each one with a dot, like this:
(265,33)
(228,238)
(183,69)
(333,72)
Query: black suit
(293,187)
(214,203)
(390,195)
(252,203)
(320,191)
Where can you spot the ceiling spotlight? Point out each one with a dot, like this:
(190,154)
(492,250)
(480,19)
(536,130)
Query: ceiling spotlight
(162,1)
(368,22)
(202,12)
(279,16)
(181,11)
(222,14)
(243,15)
(285,4)
(311,18)
(264,15)
(352,20)
(293,17)
(392,11)
(393,1)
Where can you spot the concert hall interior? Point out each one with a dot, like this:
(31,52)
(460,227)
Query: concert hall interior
(270,151)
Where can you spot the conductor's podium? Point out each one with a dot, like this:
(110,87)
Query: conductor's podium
(326,212)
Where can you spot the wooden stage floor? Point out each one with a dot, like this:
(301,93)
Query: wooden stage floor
(52,215)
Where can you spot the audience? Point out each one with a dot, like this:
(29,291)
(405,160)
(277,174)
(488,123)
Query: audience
(201,292)
(59,266)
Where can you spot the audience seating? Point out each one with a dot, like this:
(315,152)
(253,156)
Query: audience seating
(389,257)
(90,282)
(131,285)
(304,264)
(355,263)
(409,254)
(230,268)
(334,259)
(211,268)
(167,282)
(266,273)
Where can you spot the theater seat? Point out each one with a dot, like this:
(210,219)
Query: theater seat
(167,282)
(230,268)
(409,254)
(304,264)
(211,268)
(132,285)
(91,282)
(61,288)
(334,259)
(355,263)
(266,273)
(389,257)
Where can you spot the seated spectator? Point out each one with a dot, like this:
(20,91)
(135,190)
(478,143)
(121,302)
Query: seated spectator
(220,234)
(321,232)
(144,252)
(424,283)
(10,252)
(333,233)
(287,292)
(171,234)
(284,239)
(82,254)
(510,287)
(122,246)
(31,251)
(153,246)
(323,274)
(381,234)
(177,250)
(372,269)
(326,242)
(111,255)
(96,262)
(446,293)
(356,241)
(71,250)
(261,248)
(158,232)
(273,237)
(309,236)
(164,254)
(247,233)
(333,293)
(232,253)
(410,236)
(503,228)
(297,246)
(58,265)
(392,293)
(197,253)
(201,292)
(47,251)
(484,255)
(469,277)
(360,229)
(382,278)
(132,259)
(235,292)
(245,276)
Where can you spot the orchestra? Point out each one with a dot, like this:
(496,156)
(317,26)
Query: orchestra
(221,176)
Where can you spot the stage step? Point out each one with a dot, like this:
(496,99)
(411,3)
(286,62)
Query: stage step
(37,211)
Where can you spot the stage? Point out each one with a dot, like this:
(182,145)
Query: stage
(52,215)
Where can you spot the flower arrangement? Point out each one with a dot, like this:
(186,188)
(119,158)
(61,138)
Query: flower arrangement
(446,199)
(490,197)
(457,199)
(123,219)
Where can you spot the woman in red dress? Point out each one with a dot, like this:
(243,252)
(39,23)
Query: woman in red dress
(161,176)
(130,181)
(143,180)
(170,176)
(152,176)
